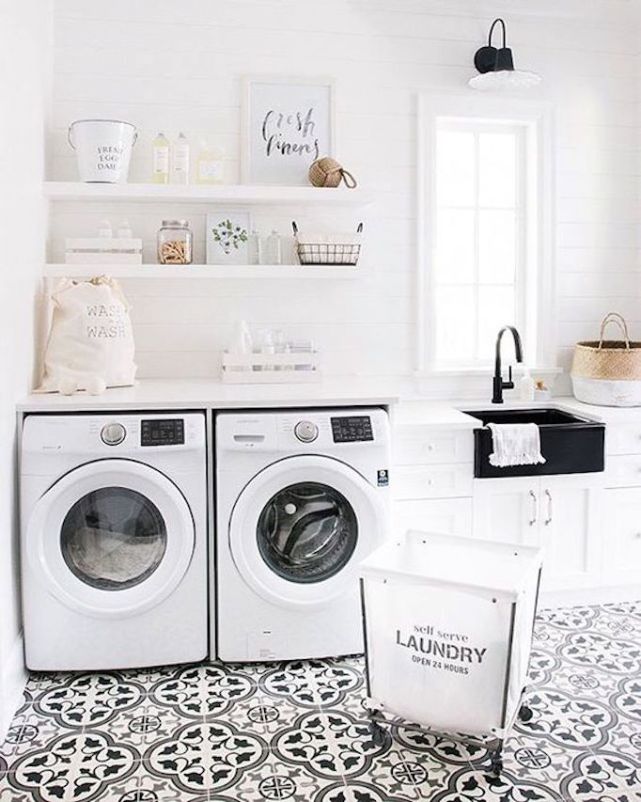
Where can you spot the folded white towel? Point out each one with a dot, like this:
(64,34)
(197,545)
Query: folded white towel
(515,444)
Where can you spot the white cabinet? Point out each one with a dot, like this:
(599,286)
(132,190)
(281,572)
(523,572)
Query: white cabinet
(432,479)
(559,513)
(449,516)
(506,510)
(622,538)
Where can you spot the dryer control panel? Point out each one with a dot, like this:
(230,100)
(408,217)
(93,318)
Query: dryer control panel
(162,432)
(352,429)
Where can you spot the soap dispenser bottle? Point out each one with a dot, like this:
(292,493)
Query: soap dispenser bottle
(526,386)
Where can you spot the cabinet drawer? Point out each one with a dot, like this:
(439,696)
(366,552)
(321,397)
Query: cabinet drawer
(416,445)
(623,471)
(447,516)
(433,481)
(623,438)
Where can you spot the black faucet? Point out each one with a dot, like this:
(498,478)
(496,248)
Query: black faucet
(498,385)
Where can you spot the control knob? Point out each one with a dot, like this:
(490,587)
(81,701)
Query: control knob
(112,434)
(306,431)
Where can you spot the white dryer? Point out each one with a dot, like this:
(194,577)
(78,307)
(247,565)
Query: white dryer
(113,542)
(302,498)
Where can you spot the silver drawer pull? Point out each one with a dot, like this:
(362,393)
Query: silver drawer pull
(548,520)
(532,520)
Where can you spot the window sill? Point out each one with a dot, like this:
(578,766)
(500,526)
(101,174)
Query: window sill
(484,371)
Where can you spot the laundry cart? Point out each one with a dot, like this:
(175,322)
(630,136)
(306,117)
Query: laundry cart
(448,631)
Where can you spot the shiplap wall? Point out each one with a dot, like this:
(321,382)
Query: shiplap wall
(177,66)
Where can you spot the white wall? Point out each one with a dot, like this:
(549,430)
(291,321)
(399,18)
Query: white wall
(167,65)
(25,69)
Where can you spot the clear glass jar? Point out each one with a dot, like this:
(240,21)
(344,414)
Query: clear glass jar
(175,243)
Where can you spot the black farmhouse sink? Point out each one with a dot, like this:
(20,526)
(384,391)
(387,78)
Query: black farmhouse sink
(569,443)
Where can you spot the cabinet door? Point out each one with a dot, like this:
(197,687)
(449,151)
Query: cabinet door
(622,552)
(569,531)
(450,516)
(507,510)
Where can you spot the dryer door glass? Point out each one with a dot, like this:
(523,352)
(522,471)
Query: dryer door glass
(113,538)
(307,532)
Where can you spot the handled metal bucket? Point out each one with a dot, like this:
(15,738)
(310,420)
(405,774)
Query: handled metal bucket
(103,149)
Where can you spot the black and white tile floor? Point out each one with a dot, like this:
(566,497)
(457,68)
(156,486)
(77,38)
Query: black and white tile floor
(297,731)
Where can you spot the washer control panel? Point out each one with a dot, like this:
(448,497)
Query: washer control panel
(306,431)
(162,432)
(352,429)
(113,434)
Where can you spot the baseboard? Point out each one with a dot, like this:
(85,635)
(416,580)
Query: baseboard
(583,596)
(13,678)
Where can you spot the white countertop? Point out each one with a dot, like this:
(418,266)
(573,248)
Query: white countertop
(212,394)
(449,414)
(437,414)
(342,391)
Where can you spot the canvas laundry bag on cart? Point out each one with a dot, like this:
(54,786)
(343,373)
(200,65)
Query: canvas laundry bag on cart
(448,630)
(91,343)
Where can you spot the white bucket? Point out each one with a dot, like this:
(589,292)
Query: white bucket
(103,149)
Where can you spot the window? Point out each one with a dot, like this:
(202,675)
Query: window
(481,232)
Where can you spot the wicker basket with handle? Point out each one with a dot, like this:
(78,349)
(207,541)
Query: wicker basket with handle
(608,372)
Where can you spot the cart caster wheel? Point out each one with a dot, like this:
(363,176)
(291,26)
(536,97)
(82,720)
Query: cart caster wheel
(525,713)
(377,733)
(496,766)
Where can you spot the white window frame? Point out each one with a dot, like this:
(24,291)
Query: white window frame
(537,120)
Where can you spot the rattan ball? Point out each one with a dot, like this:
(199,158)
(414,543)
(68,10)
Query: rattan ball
(327,172)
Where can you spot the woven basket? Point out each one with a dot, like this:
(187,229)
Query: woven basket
(608,372)
(618,360)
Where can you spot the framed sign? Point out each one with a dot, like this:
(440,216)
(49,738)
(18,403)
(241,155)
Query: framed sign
(227,238)
(287,124)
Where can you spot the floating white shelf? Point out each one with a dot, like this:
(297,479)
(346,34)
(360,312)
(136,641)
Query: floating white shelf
(198,193)
(200,271)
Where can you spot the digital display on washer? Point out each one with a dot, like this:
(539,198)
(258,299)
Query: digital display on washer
(352,429)
(162,432)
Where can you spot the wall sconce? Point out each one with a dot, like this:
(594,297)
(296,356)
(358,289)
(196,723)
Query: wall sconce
(496,68)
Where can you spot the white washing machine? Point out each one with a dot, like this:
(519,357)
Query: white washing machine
(113,543)
(302,498)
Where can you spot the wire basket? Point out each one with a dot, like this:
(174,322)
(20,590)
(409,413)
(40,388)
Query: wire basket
(328,249)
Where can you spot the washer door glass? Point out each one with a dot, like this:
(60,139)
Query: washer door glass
(307,532)
(113,538)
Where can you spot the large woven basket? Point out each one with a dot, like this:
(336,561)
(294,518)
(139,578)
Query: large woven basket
(608,372)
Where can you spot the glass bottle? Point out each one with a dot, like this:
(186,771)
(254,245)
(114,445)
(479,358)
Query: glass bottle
(254,248)
(175,243)
(180,160)
(210,164)
(160,158)
(272,248)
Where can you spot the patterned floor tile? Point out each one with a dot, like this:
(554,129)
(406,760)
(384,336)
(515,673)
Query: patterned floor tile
(449,751)
(604,776)
(206,756)
(263,715)
(143,725)
(198,691)
(28,731)
(408,775)
(535,759)
(300,731)
(141,786)
(89,700)
(274,779)
(76,766)
(477,786)
(567,721)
